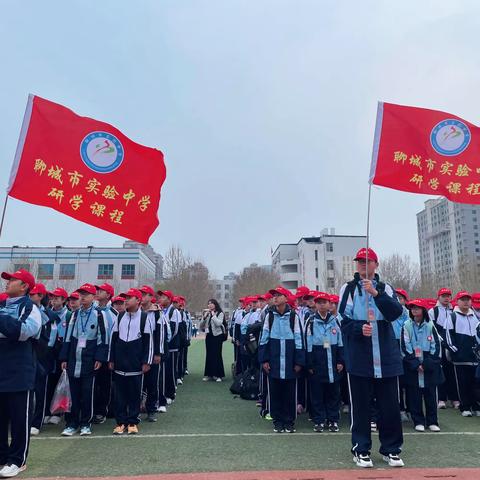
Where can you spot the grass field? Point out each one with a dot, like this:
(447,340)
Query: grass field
(207,429)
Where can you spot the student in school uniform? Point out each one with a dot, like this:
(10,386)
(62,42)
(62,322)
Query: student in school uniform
(440,315)
(264,395)
(131,355)
(325,365)
(178,303)
(421,351)
(20,326)
(163,335)
(236,335)
(118,303)
(73,302)
(282,356)
(103,377)
(45,354)
(462,339)
(84,350)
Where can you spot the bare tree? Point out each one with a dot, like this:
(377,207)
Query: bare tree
(253,280)
(401,272)
(175,262)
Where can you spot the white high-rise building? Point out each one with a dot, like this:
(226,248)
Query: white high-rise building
(223,292)
(449,244)
(322,263)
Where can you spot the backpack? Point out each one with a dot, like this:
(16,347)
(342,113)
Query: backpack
(249,384)
(182,330)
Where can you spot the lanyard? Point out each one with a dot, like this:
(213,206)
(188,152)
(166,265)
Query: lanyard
(83,314)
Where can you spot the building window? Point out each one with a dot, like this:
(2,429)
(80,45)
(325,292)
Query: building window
(219,287)
(329,247)
(316,272)
(330,282)
(330,265)
(227,286)
(227,296)
(67,271)
(317,288)
(21,266)
(45,271)
(316,255)
(128,271)
(105,271)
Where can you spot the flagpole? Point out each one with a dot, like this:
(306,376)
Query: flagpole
(3,214)
(368,245)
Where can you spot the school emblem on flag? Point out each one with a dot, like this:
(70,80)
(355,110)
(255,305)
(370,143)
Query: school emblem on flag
(102,152)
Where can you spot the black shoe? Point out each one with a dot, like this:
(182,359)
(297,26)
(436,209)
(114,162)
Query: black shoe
(98,419)
(333,427)
(319,427)
(290,429)
(151,417)
(278,429)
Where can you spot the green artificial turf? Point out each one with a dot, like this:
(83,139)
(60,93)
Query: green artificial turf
(209,408)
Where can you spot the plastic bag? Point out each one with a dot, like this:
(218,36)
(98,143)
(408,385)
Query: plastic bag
(62,398)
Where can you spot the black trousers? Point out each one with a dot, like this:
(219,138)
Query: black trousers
(181,362)
(283,401)
(162,400)
(103,390)
(41,384)
(416,397)
(324,400)
(448,390)
(302,389)
(128,395)
(467,387)
(151,387)
(16,410)
(170,375)
(344,390)
(214,360)
(81,412)
(385,392)
(264,393)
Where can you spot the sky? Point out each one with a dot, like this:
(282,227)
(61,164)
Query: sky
(264,109)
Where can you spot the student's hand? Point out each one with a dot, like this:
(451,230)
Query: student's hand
(266,367)
(297,368)
(420,368)
(237,343)
(145,368)
(310,371)
(153,308)
(339,367)
(157,359)
(369,288)
(367,330)
(97,365)
(111,366)
(63,365)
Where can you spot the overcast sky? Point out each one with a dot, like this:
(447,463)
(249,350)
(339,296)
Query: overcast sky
(265,110)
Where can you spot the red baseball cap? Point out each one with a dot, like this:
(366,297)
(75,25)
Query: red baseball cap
(107,288)
(267,296)
(23,275)
(418,302)
(461,294)
(476,299)
(322,296)
(74,295)
(3,296)
(118,299)
(444,291)
(147,289)
(261,297)
(431,302)
(167,293)
(302,290)
(59,292)
(310,294)
(280,291)
(403,293)
(362,255)
(292,300)
(334,298)
(38,288)
(134,292)
(87,287)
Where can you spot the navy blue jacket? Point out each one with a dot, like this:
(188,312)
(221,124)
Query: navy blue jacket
(20,325)
(377,356)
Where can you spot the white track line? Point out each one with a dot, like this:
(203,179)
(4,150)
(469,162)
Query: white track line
(190,435)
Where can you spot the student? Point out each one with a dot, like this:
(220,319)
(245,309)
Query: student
(236,335)
(84,350)
(421,350)
(172,316)
(325,365)
(73,301)
(45,354)
(163,335)
(118,303)
(282,356)
(151,378)
(251,317)
(263,381)
(461,334)
(334,299)
(20,325)
(131,355)
(440,316)
(103,378)
(183,353)
(179,303)
(372,359)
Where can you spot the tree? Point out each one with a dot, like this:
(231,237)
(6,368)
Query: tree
(401,272)
(175,262)
(253,280)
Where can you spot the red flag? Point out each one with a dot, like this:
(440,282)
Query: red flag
(87,170)
(426,151)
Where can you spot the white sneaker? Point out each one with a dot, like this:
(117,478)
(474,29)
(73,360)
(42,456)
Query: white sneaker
(346,409)
(205,379)
(456,404)
(442,405)
(69,431)
(46,420)
(404,417)
(363,461)
(434,428)
(179,381)
(373,426)
(162,409)
(34,431)
(187,372)
(218,379)
(419,428)
(85,431)
(11,470)
(393,460)
(467,413)
(54,420)
(169,401)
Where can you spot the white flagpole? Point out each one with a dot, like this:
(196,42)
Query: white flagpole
(368,244)
(3,214)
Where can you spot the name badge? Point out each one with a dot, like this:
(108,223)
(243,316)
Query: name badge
(326,343)
(82,342)
(418,352)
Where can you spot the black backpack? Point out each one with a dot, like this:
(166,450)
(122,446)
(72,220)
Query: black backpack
(249,384)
